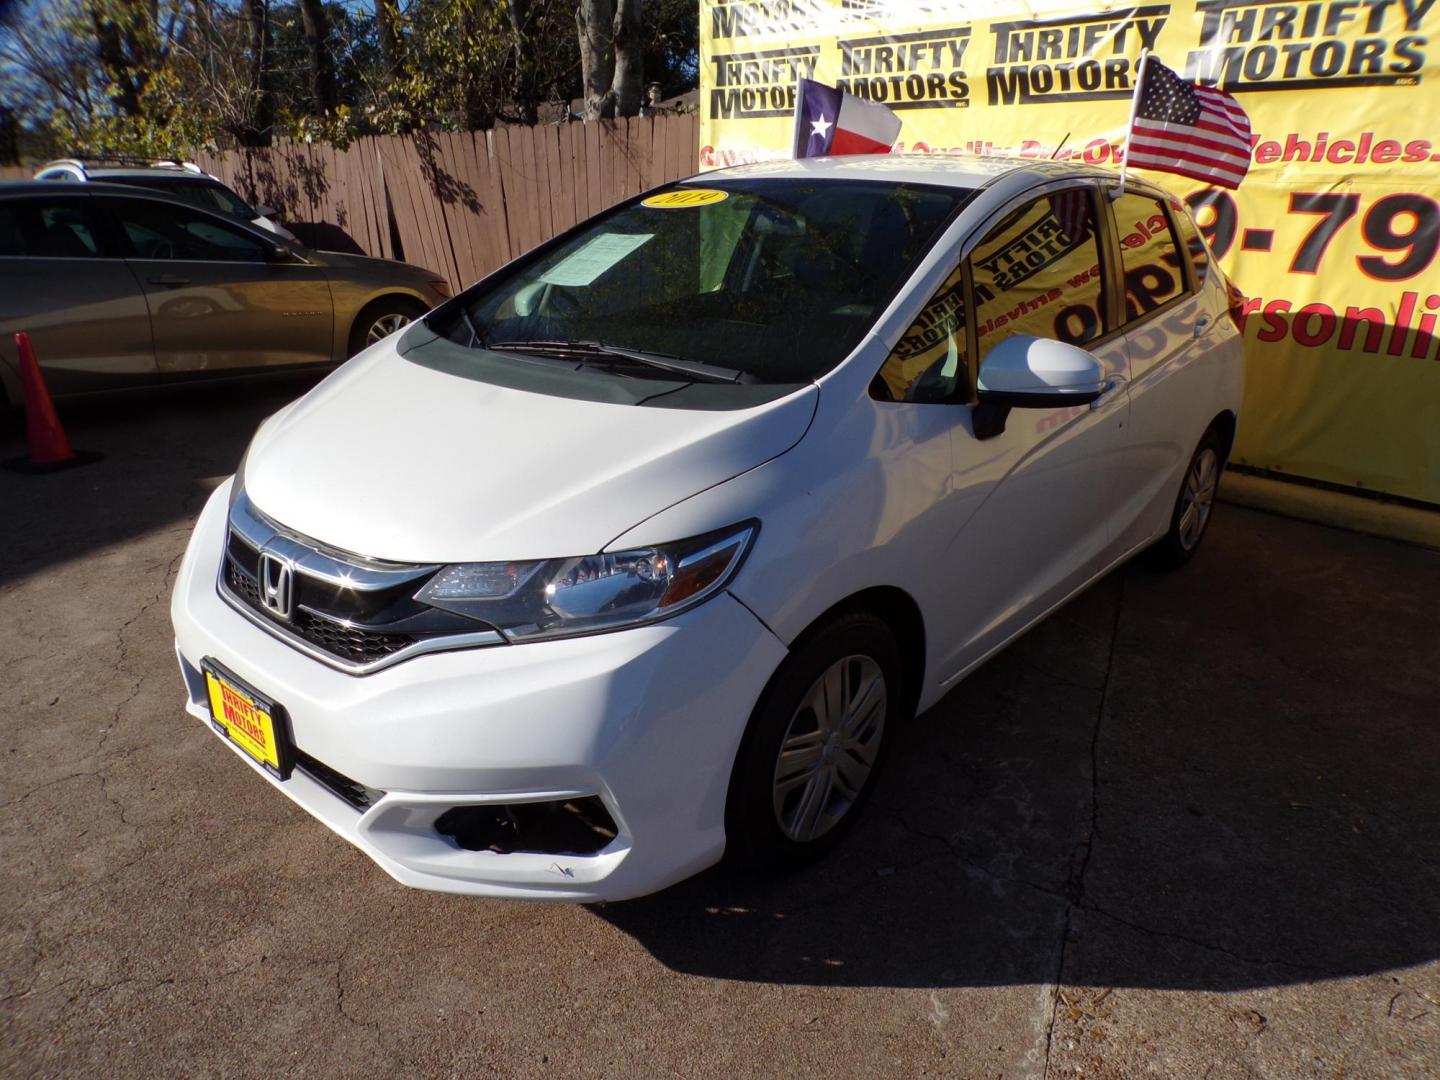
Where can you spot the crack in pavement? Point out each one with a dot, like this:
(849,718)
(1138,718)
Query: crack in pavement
(1075,886)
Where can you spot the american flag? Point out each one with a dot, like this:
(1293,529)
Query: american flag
(1071,209)
(1196,131)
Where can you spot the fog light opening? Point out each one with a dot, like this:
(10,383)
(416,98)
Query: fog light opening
(570,827)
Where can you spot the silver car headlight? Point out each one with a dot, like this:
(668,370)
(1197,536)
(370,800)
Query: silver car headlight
(527,601)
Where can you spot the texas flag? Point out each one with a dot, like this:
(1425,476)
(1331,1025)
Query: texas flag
(830,121)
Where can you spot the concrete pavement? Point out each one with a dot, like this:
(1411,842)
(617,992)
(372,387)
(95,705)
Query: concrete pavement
(1189,826)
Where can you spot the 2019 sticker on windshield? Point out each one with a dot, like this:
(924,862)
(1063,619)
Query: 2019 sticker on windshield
(685,198)
(590,260)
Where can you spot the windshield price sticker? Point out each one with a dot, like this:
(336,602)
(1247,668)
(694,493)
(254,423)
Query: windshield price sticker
(685,198)
(584,265)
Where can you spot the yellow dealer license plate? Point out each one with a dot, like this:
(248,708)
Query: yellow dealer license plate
(247,719)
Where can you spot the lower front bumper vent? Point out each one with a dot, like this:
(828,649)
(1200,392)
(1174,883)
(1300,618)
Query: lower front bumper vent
(580,826)
(352,791)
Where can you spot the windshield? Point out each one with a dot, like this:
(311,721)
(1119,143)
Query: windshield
(204,194)
(771,280)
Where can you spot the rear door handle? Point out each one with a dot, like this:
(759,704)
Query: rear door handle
(1113,386)
(1201,325)
(170,281)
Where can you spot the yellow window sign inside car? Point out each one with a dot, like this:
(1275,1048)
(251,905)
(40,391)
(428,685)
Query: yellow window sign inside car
(685,198)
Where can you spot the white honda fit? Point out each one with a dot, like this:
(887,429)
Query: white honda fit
(638,550)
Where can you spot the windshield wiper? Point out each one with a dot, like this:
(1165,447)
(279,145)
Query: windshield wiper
(694,369)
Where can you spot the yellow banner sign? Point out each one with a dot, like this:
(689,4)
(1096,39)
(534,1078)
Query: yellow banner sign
(1333,236)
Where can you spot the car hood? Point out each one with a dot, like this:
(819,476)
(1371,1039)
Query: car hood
(368,263)
(393,460)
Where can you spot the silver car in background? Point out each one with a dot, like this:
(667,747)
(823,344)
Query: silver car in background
(181,180)
(119,287)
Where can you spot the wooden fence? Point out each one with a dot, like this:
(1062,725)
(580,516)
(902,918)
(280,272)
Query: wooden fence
(459,203)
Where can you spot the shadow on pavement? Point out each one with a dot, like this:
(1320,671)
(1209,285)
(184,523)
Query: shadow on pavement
(163,449)
(1220,778)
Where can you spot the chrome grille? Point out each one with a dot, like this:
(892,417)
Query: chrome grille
(353,613)
(350,642)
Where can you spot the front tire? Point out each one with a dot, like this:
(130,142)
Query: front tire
(815,744)
(1193,506)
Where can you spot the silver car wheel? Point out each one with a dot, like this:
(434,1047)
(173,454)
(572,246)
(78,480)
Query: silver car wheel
(384,326)
(1197,497)
(829,748)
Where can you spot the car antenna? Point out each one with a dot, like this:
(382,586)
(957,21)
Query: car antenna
(1061,145)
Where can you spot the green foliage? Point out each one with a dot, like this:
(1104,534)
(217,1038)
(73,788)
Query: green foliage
(166,77)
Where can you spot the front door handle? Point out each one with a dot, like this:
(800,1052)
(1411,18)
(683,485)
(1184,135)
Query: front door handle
(1113,386)
(169,281)
(1201,325)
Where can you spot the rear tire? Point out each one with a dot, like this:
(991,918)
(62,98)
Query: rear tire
(381,318)
(1193,506)
(815,744)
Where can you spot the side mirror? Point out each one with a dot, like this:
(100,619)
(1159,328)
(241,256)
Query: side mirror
(266,211)
(1038,373)
(279,253)
(1024,372)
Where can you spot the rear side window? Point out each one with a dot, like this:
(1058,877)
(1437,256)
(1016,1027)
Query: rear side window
(1038,273)
(1149,255)
(47,229)
(1190,237)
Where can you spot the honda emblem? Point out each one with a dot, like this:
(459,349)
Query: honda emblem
(277,584)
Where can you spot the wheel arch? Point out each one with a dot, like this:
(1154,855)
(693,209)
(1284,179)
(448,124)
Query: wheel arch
(898,610)
(1224,427)
(374,303)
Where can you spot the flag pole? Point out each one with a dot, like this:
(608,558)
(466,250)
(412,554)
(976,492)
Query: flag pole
(1130,128)
(799,115)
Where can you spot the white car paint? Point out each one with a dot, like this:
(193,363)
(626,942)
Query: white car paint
(984,536)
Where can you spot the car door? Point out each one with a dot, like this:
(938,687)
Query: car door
(1168,326)
(1045,487)
(220,302)
(80,303)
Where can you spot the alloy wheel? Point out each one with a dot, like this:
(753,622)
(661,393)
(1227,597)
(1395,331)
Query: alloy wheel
(1198,497)
(384,326)
(830,748)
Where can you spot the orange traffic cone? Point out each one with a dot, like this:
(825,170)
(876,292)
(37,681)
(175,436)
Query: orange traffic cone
(49,448)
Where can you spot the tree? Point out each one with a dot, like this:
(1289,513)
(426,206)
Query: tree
(612,63)
(322,74)
(392,40)
(262,47)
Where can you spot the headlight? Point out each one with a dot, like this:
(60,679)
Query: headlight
(585,595)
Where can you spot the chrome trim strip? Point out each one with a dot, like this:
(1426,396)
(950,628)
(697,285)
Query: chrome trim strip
(426,645)
(316,560)
(326,564)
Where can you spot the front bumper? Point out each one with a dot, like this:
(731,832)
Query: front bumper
(648,719)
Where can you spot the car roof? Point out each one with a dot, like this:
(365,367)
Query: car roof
(168,170)
(95,187)
(946,170)
(161,174)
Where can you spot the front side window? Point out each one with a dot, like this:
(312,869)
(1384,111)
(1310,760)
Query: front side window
(47,229)
(161,231)
(1149,255)
(776,278)
(1038,273)
(929,361)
